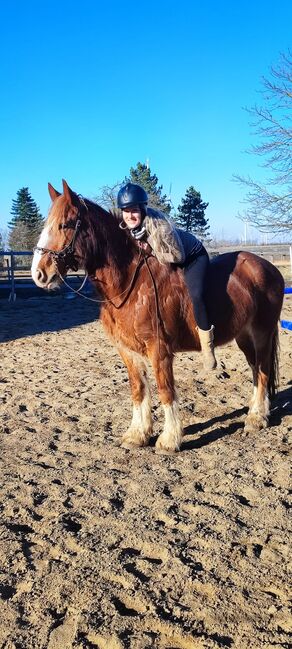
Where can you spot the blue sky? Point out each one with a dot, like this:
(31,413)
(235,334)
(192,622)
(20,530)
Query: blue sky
(88,89)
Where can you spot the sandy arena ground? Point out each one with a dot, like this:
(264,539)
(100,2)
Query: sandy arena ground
(115,549)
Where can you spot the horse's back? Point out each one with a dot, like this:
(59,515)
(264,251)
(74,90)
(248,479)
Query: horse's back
(246,269)
(240,287)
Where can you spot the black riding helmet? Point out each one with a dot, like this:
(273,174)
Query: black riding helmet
(131,194)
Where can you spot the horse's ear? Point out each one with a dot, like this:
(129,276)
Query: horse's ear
(69,194)
(53,192)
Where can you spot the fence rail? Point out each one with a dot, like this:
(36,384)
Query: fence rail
(287,324)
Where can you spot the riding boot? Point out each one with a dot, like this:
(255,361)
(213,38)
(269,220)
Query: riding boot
(207,346)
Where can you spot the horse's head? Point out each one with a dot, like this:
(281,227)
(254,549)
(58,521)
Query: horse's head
(55,252)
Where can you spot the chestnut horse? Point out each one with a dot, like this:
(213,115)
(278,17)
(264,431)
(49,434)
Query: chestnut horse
(146,308)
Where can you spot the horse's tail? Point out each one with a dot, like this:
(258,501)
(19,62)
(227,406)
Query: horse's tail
(274,372)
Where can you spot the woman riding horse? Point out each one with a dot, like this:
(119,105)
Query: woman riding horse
(171,245)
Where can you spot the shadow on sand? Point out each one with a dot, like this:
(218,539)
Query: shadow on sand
(31,316)
(217,433)
(281,407)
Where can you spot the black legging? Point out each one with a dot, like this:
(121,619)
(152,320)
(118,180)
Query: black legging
(195,273)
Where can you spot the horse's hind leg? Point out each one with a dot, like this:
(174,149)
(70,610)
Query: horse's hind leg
(162,363)
(257,351)
(140,429)
(258,415)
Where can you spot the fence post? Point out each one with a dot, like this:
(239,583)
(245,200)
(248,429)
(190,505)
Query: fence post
(12,296)
(8,269)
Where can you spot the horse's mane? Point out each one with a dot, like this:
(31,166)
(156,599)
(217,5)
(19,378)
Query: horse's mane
(103,241)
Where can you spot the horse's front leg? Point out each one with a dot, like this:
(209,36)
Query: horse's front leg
(162,363)
(140,429)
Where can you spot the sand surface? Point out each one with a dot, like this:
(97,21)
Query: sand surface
(110,548)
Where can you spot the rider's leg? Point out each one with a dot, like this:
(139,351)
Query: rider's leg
(195,275)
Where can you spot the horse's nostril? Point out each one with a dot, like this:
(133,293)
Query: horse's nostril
(40,276)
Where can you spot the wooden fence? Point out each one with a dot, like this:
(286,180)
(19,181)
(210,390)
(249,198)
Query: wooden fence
(15,278)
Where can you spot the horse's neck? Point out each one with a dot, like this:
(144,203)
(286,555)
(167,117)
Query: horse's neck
(115,255)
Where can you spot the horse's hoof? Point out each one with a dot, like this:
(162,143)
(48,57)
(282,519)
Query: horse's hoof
(254,423)
(135,438)
(134,441)
(164,448)
(165,451)
(129,444)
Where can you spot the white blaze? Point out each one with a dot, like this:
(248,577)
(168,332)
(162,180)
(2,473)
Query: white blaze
(43,242)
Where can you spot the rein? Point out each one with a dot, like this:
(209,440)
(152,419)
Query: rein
(159,321)
(107,300)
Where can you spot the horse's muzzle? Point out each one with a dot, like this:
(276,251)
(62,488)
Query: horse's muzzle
(46,281)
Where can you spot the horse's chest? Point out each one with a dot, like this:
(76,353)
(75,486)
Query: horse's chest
(124,328)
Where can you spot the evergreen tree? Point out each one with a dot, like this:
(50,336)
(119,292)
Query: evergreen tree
(191,214)
(141,175)
(26,223)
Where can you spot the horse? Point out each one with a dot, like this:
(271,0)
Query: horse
(147,312)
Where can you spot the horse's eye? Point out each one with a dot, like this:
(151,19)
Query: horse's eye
(65,226)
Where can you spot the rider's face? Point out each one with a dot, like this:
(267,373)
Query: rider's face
(132,216)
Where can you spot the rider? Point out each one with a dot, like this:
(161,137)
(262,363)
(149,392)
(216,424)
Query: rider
(171,245)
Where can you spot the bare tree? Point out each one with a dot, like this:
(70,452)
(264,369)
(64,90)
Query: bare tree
(270,202)
(4,236)
(107,196)
(23,237)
